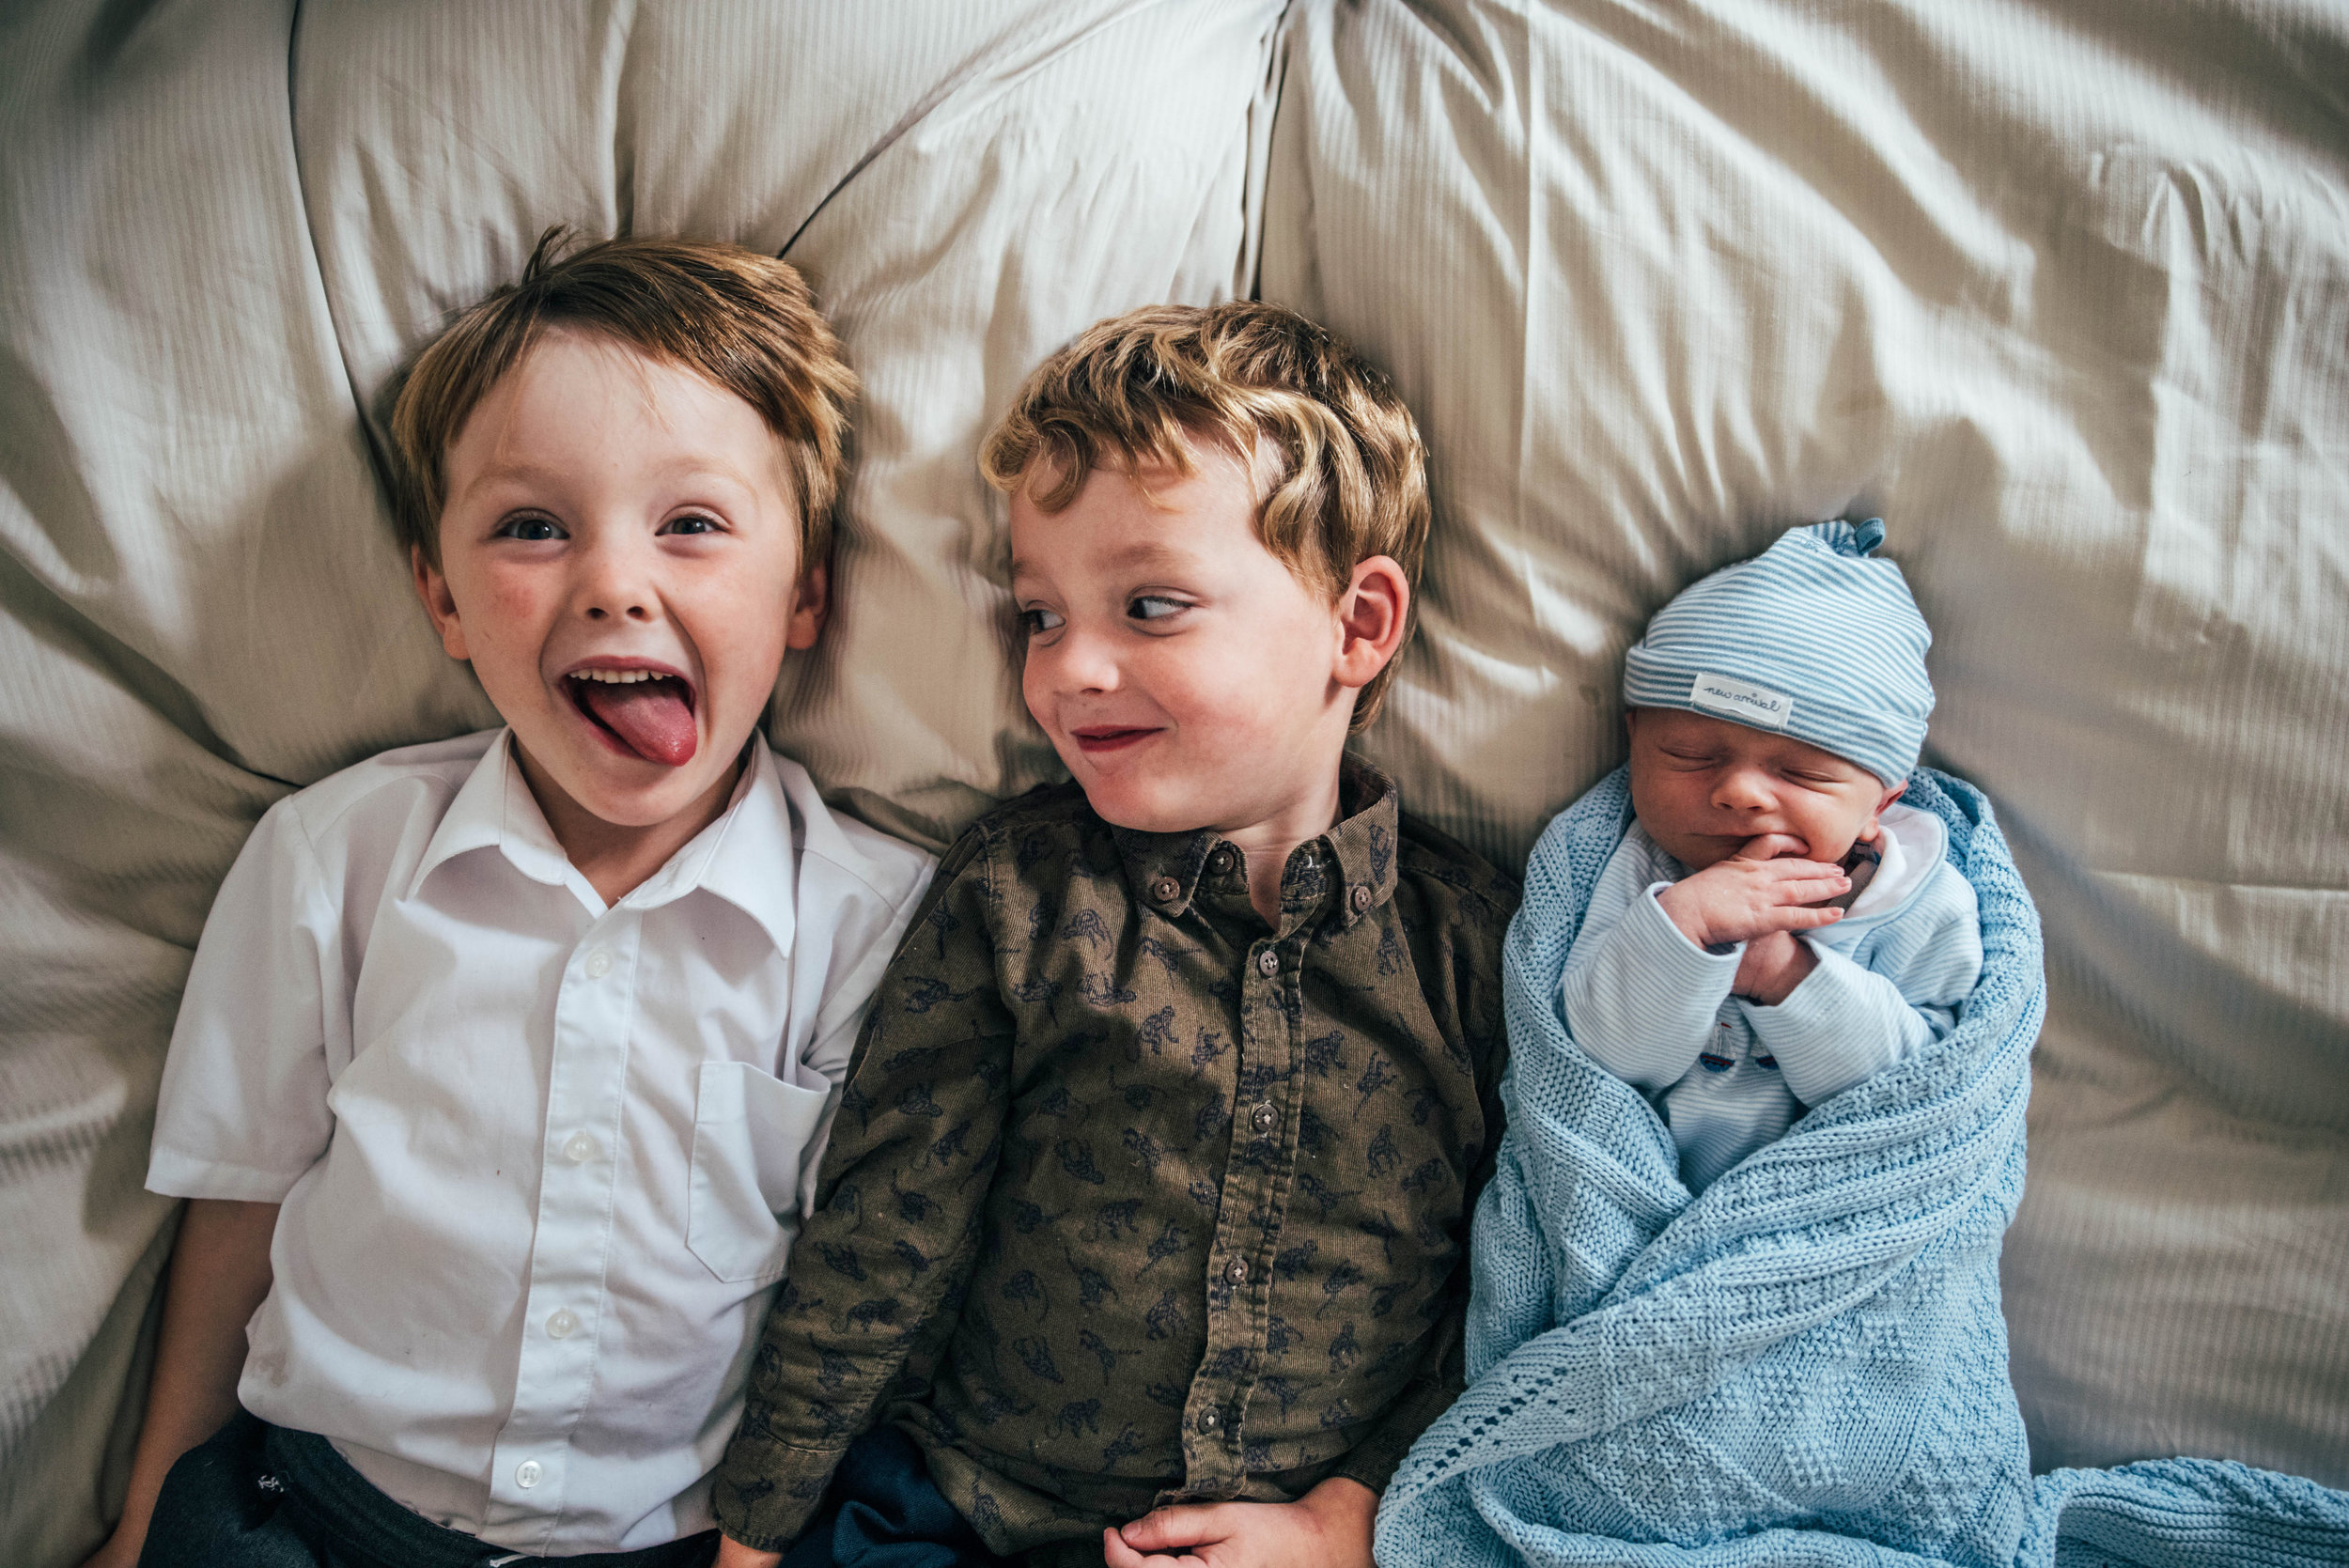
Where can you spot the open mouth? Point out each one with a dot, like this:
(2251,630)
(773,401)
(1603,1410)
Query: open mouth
(643,713)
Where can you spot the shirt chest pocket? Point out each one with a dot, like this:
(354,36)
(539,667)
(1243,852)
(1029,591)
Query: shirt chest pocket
(750,1130)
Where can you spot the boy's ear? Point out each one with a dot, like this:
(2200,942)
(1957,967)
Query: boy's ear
(439,602)
(1373,613)
(811,601)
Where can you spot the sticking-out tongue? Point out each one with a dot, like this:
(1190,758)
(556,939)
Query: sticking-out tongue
(651,716)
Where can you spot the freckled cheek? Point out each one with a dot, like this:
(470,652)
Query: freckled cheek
(511,597)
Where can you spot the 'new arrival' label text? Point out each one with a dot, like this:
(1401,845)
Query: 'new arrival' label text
(1743,701)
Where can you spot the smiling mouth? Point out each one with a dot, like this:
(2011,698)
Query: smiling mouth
(641,713)
(1100,738)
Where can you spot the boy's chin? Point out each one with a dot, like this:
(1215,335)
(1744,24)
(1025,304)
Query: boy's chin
(631,794)
(1142,810)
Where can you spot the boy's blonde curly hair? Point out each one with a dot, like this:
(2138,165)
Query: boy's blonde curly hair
(1339,463)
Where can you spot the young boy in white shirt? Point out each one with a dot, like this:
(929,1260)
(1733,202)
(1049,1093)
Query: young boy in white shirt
(1775,926)
(504,1061)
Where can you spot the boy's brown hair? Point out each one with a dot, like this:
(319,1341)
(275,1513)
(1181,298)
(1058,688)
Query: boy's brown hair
(746,321)
(1136,390)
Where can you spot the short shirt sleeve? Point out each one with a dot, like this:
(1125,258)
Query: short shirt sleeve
(244,1112)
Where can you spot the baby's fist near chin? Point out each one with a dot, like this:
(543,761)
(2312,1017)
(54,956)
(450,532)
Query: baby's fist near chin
(1739,899)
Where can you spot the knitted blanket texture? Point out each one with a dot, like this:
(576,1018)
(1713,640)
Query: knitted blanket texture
(1806,1366)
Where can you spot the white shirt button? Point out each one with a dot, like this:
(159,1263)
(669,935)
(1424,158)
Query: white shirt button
(526,1474)
(1269,963)
(598,964)
(578,1148)
(561,1324)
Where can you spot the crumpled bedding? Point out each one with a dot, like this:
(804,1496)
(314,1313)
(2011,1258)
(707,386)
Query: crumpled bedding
(2066,286)
(1806,1362)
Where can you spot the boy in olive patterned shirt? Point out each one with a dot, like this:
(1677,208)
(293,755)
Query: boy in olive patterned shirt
(1150,1185)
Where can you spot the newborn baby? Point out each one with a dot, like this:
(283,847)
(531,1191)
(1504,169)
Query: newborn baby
(1774,927)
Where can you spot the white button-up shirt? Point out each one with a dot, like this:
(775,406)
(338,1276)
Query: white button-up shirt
(540,1158)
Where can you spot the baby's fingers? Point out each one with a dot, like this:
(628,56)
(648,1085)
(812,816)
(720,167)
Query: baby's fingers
(1802,918)
(1801,882)
(1770,847)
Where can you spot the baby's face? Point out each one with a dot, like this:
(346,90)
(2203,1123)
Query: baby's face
(1184,675)
(1704,787)
(620,562)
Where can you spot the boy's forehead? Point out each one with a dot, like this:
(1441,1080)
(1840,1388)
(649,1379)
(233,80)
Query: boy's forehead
(535,422)
(1136,518)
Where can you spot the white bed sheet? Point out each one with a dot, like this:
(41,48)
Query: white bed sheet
(2062,292)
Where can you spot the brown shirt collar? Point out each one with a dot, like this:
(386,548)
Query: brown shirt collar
(1166,869)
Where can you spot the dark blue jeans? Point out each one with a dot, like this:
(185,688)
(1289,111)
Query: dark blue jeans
(882,1512)
(258,1495)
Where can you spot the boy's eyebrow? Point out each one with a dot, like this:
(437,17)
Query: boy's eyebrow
(524,470)
(1144,552)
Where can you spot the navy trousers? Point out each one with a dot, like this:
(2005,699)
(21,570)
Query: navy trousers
(256,1495)
(882,1512)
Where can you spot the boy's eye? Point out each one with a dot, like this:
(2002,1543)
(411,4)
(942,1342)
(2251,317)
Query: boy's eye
(692,523)
(528,528)
(1038,621)
(1154,607)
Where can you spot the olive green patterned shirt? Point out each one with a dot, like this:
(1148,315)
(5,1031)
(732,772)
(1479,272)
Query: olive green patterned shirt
(1133,1199)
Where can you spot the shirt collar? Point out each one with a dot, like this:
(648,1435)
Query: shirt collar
(495,810)
(1164,869)
(749,857)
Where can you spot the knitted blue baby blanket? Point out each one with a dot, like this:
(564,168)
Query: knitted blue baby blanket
(1806,1365)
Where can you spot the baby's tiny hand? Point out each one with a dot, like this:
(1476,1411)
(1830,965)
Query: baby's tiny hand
(1739,899)
(1774,963)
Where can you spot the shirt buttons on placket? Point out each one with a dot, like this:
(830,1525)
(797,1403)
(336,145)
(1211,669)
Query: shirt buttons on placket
(1265,1118)
(578,1148)
(1209,1420)
(1236,1272)
(598,964)
(1268,963)
(527,1473)
(562,1324)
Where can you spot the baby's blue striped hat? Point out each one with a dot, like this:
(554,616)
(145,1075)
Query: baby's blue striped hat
(1812,638)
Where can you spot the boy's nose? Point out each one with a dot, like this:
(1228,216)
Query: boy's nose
(612,585)
(1085,665)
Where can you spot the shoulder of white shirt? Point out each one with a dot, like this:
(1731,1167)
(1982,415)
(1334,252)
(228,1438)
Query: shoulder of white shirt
(346,800)
(349,800)
(895,870)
